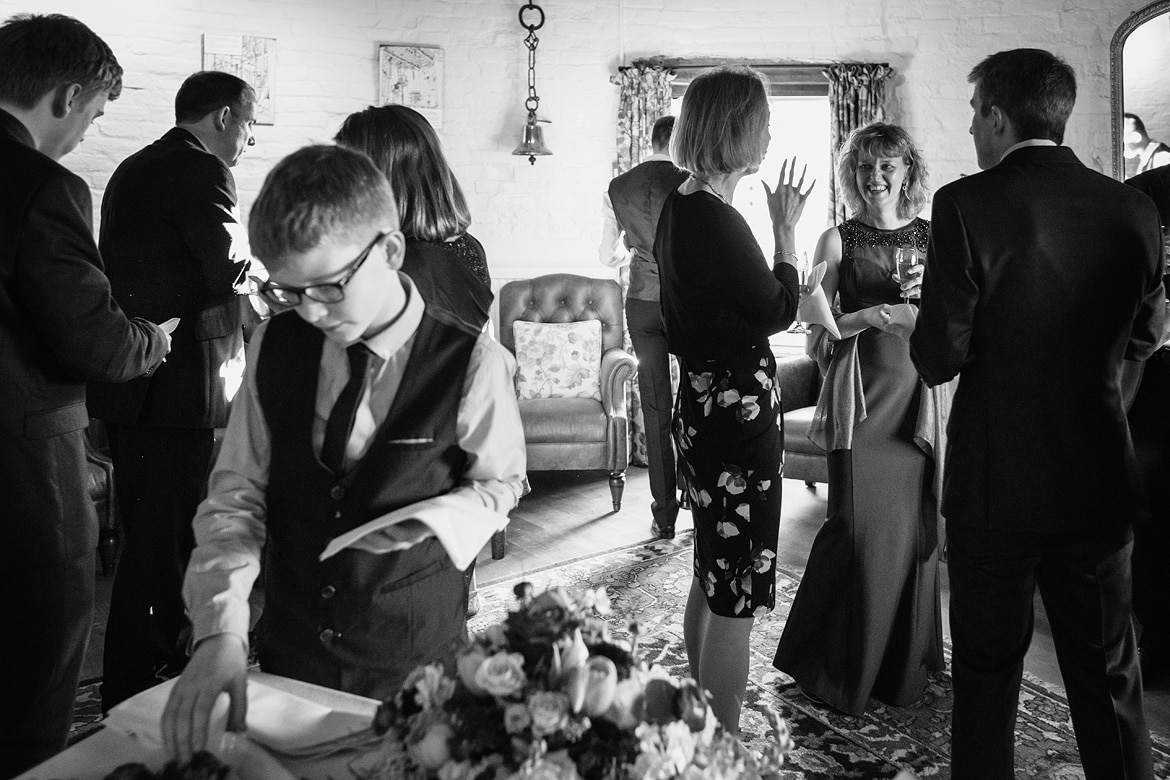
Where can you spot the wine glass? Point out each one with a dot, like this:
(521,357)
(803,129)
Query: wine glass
(907,258)
(802,272)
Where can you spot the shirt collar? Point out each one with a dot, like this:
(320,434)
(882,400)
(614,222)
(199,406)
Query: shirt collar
(389,341)
(658,156)
(1029,142)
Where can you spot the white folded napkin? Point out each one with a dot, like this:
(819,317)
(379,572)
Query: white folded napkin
(814,307)
(461,525)
(278,720)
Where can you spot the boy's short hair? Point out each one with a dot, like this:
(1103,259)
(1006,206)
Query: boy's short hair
(1033,87)
(318,195)
(207,91)
(720,128)
(40,52)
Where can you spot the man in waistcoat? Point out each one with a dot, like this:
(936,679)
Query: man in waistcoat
(630,221)
(357,401)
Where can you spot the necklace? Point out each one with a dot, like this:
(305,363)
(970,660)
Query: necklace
(710,188)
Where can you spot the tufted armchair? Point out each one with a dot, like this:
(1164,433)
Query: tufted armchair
(800,384)
(575,433)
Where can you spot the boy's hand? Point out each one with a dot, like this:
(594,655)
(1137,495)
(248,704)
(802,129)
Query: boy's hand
(219,664)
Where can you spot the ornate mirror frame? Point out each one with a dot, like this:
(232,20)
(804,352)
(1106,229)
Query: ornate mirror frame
(1117,77)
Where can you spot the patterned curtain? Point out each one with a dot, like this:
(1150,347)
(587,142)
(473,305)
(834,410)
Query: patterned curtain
(645,96)
(857,94)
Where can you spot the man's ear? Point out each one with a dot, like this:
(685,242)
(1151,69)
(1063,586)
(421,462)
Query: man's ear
(1000,123)
(219,118)
(64,99)
(395,244)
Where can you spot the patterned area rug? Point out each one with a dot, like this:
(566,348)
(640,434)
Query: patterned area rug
(651,581)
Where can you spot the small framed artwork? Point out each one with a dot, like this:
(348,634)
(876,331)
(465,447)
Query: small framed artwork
(412,76)
(252,58)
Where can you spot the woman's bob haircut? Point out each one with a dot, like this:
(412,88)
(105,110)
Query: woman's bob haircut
(722,127)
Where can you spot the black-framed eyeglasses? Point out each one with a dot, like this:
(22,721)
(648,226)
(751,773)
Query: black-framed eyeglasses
(332,292)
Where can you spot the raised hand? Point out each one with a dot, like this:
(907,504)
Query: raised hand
(786,202)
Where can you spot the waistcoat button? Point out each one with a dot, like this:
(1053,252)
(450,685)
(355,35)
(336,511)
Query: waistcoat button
(337,492)
(328,592)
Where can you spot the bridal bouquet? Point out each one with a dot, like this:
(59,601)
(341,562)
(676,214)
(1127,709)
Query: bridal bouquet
(548,694)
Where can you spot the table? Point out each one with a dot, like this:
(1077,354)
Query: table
(97,755)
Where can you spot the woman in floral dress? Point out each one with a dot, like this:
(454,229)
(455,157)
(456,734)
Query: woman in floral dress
(720,303)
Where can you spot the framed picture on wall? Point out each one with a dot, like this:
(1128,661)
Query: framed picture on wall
(252,58)
(412,76)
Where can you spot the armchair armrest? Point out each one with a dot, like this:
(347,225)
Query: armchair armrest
(617,368)
(800,381)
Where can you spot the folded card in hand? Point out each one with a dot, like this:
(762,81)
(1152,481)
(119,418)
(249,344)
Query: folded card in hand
(814,306)
(461,525)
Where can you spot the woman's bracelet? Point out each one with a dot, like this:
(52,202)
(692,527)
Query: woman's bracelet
(782,254)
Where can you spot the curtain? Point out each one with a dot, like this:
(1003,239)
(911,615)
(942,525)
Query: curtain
(644,97)
(857,94)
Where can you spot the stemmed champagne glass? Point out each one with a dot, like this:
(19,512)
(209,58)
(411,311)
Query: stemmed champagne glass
(802,271)
(907,258)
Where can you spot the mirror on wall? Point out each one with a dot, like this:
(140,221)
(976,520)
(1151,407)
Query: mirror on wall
(1139,61)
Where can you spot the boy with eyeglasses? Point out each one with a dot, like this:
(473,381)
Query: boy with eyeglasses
(357,401)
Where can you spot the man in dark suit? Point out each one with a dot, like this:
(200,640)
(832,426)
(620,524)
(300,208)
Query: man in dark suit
(632,205)
(1043,278)
(1149,421)
(167,237)
(58,328)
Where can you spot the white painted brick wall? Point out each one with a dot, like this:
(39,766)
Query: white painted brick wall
(546,217)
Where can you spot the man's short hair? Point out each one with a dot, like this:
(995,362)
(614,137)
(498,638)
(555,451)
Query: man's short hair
(660,135)
(1138,124)
(207,91)
(318,195)
(1034,88)
(721,126)
(882,140)
(39,53)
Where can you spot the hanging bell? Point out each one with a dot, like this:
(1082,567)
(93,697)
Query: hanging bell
(532,142)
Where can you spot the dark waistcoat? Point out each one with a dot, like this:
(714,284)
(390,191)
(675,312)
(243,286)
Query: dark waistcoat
(637,196)
(358,621)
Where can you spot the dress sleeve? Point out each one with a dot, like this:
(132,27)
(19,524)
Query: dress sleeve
(766,297)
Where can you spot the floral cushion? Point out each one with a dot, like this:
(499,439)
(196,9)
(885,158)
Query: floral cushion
(558,359)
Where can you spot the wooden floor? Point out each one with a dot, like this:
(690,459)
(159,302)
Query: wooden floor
(569,515)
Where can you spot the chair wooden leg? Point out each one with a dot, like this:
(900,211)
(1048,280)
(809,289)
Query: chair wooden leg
(498,540)
(617,483)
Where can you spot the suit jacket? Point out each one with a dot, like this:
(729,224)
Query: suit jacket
(637,197)
(59,327)
(167,239)
(1042,277)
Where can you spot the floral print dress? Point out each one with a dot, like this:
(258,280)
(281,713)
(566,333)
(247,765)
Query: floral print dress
(728,430)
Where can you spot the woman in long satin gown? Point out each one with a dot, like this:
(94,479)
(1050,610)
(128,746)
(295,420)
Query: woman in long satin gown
(866,620)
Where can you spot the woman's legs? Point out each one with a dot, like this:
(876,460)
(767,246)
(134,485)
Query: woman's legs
(695,627)
(717,649)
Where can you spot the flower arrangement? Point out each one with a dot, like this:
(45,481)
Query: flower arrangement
(548,694)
